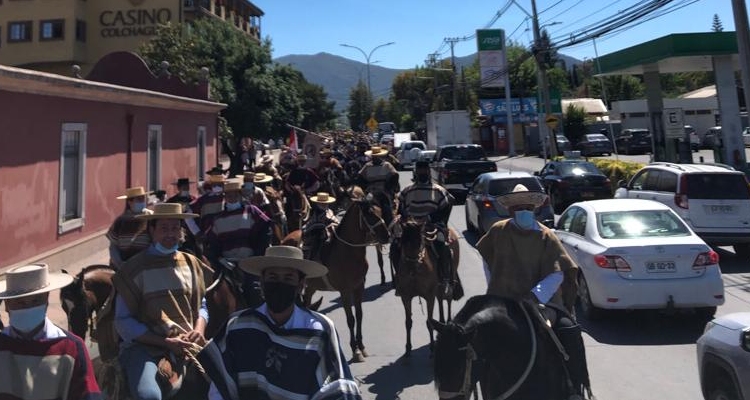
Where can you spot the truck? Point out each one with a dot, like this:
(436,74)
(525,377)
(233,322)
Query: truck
(448,127)
(456,166)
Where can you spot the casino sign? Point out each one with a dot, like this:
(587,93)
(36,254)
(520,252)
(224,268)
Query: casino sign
(134,22)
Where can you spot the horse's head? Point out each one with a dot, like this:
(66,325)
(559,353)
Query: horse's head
(75,304)
(454,356)
(411,239)
(371,216)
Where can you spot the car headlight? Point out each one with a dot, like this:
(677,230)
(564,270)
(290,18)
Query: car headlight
(745,339)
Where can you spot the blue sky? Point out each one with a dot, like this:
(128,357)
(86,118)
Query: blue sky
(418,27)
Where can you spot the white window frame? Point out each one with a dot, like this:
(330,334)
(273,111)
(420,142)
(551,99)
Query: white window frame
(62,225)
(157,130)
(200,147)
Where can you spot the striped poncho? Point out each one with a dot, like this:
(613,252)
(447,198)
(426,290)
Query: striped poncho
(251,358)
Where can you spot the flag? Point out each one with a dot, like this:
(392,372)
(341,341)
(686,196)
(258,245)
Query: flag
(293,140)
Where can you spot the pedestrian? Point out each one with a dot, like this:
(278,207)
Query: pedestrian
(127,235)
(183,195)
(279,350)
(38,359)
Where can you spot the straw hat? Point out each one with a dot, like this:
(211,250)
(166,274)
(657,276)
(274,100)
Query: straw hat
(214,179)
(260,177)
(322,198)
(301,157)
(376,151)
(130,193)
(30,280)
(167,211)
(326,152)
(283,256)
(232,186)
(182,181)
(522,196)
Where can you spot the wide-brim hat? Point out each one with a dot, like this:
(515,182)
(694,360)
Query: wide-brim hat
(326,152)
(182,181)
(322,198)
(260,177)
(214,179)
(30,280)
(283,256)
(301,157)
(232,186)
(167,211)
(522,196)
(266,159)
(376,151)
(137,191)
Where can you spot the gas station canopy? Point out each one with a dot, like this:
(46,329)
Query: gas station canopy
(679,52)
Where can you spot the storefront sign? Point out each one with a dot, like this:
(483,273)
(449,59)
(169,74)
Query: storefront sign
(138,22)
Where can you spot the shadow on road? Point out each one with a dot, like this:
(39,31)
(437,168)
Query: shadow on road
(471,238)
(390,380)
(645,328)
(371,293)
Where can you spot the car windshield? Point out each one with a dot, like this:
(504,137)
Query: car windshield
(717,186)
(462,153)
(642,223)
(639,134)
(596,137)
(562,139)
(413,145)
(578,168)
(499,187)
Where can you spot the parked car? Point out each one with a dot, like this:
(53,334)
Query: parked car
(409,152)
(593,144)
(386,139)
(426,155)
(638,254)
(746,136)
(723,351)
(456,166)
(482,208)
(563,145)
(571,180)
(695,139)
(714,200)
(711,137)
(633,141)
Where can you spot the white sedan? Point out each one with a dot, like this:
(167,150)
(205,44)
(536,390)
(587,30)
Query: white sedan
(638,254)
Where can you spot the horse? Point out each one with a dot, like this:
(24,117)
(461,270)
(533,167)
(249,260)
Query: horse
(384,202)
(296,208)
(347,265)
(417,277)
(86,295)
(496,342)
(276,208)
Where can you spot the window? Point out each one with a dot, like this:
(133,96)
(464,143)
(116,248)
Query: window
(52,29)
(72,173)
(19,31)
(667,182)
(81,31)
(201,149)
(154,157)
(566,219)
(637,224)
(717,186)
(652,181)
(578,226)
(639,180)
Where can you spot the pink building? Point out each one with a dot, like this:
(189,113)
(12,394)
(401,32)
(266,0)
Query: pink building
(71,146)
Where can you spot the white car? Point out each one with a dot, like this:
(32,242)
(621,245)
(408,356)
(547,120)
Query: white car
(638,254)
(408,152)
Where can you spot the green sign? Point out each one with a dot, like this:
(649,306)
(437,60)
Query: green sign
(490,39)
(555,102)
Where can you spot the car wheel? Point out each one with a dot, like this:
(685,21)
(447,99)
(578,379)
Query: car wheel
(722,388)
(742,250)
(590,311)
(705,313)
(469,226)
(554,200)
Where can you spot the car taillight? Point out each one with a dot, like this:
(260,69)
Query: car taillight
(708,258)
(487,204)
(612,262)
(681,197)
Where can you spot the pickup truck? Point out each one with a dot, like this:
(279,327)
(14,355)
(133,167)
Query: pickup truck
(455,166)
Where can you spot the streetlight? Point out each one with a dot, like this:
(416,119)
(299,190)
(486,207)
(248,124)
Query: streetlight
(367,58)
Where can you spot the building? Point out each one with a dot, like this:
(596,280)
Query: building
(71,146)
(52,36)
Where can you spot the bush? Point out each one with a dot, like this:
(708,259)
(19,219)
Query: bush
(617,170)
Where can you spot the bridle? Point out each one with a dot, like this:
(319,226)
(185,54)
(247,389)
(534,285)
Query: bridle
(471,356)
(370,228)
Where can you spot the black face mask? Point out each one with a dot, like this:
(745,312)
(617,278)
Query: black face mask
(377,161)
(423,178)
(279,295)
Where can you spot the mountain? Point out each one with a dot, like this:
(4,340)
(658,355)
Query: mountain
(338,75)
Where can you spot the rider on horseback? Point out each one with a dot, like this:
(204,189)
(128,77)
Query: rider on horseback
(128,236)
(524,260)
(253,193)
(379,175)
(318,228)
(302,176)
(427,202)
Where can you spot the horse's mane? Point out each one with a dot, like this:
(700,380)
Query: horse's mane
(480,310)
(94,267)
(411,234)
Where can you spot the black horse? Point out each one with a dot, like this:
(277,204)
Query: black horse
(496,342)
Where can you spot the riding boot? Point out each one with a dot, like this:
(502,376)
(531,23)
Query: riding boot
(569,334)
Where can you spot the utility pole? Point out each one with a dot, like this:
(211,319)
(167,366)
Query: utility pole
(743,43)
(539,54)
(452,42)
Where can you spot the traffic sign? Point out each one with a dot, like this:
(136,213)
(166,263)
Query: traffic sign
(674,126)
(372,124)
(552,121)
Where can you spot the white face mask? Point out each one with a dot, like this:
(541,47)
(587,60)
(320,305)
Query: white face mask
(184,193)
(249,186)
(138,206)
(525,219)
(26,319)
(217,189)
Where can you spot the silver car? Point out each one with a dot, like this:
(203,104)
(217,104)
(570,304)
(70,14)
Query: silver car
(724,358)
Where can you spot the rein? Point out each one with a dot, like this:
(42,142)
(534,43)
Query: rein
(370,228)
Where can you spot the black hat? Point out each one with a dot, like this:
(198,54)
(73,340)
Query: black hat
(422,164)
(217,170)
(182,181)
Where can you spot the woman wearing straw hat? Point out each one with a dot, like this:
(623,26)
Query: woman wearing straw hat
(160,309)
(38,359)
(523,259)
(127,235)
(279,350)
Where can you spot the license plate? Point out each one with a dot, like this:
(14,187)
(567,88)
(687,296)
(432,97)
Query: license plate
(661,266)
(587,195)
(721,209)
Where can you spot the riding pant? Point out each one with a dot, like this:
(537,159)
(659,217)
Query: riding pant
(568,331)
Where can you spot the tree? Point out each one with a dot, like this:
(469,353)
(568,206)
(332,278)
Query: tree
(360,106)
(319,113)
(716,26)
(574,124)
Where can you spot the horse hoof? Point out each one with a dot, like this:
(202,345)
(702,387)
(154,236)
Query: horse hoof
(364,353)
(358,358)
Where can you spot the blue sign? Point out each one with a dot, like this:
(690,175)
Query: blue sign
(526,106)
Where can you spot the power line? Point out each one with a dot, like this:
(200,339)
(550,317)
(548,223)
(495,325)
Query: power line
(550,7)
(563,12)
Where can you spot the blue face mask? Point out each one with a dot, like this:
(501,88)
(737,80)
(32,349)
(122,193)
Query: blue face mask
(26,319)
(138,206)
(233,206)
(525,219)
(166,250)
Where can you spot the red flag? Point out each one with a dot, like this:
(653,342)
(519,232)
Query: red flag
(293,140)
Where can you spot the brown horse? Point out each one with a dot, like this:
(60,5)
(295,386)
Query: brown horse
(347,265)
(417,276)
(296,208)
(276,208)
(85,296)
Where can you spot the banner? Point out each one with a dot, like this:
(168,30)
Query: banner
(492,61)
(293,141)
(311,148)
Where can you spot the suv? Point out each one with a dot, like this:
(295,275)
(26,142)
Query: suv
(714,199)
(409,151)
(723,351)
(633,141)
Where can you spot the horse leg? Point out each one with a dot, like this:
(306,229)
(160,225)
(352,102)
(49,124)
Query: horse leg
(407,322)
(449,318)
(346,302)
(378,250)
(430,310)
(440,310)
(358,295)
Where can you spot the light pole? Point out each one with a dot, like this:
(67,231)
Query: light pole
(367,58)
(539,53)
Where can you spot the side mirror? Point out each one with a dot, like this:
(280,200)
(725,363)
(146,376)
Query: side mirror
(536,173)
(622,183)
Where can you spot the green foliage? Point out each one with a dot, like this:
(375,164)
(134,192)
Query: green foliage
(360,106)
(617,170)
(574,124)
(716,25)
